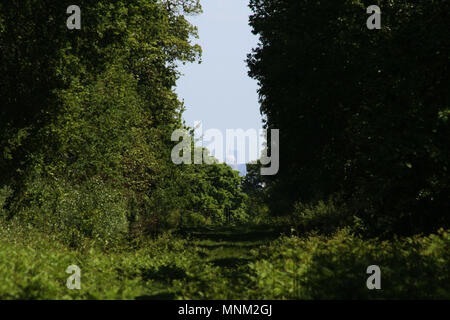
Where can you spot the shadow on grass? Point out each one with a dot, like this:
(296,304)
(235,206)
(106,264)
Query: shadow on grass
(250,233)
(230,262)
(228,246)
(159,296)
(165,273)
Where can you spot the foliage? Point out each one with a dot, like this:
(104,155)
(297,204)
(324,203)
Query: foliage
(75,212)
(354,118)
(228,263)
(216,193)
(33,267)
(254,186)
(87,179)
(325,217)
(87,119)
(335,268)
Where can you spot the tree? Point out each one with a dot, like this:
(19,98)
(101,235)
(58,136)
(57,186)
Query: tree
(254,185)
(88,113)
(361,112)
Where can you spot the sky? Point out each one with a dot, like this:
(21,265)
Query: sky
(218,91)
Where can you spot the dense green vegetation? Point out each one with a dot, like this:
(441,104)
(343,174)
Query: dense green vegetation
(89,156)
(363,114)
(86,177)
(246,262)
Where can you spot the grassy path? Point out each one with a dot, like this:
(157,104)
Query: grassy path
(226,248)
(229,247)
(224,263)
(201,263)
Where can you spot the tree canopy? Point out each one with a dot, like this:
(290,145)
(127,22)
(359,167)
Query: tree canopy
(87,117)
(362,113)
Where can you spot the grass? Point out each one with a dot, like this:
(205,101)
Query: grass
(233,262)
(231,246)
(230,250)
(186,265)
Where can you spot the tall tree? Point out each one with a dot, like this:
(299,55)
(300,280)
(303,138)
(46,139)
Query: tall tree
(87,114)
(361,112)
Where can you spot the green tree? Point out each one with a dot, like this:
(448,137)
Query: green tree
(215,191)
(363,113)
(254,185)
(87,114)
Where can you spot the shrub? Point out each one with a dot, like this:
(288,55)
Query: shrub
(75,212)
(335,268)
(323,216)
(5,193)
(34,264)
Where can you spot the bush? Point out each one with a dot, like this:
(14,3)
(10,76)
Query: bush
(34,264)
(5,193)
(325,217)
(76,213)
(335,268)
(195,219)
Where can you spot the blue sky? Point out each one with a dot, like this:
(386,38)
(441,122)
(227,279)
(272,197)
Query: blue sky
(218,91)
